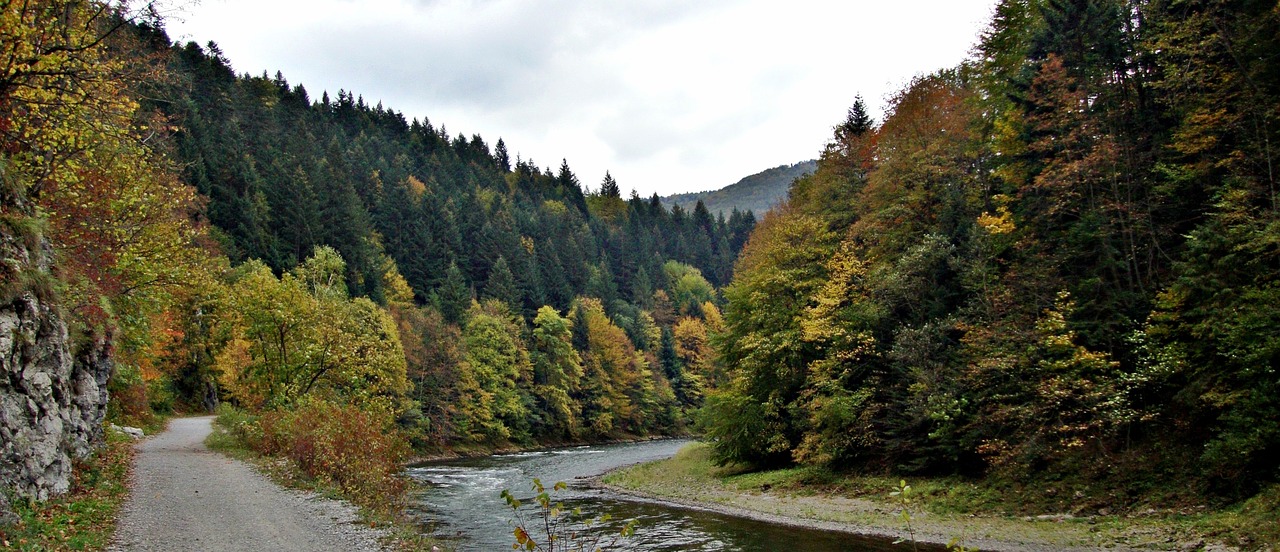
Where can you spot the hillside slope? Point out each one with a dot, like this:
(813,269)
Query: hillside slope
(757,193)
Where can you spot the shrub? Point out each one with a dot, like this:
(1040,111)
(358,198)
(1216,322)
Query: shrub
(240,425)
(160,395)
(356,451)
(129,404)
(552,529)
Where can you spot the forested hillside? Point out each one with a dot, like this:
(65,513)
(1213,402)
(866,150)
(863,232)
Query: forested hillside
(231,239)
(1058,259)
(528,307)
(754,194)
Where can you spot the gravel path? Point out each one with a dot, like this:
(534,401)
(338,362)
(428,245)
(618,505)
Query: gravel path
(186,497)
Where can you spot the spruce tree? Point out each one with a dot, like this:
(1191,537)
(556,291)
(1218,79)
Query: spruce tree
(454,296)
(856,123)
(609,187)
(501,156)
(502,284)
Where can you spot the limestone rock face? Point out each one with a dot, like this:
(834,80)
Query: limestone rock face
(51,404)
(7,517)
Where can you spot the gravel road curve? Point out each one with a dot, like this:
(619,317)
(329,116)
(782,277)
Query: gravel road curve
(186,497)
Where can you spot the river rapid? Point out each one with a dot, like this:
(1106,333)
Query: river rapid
(461,504)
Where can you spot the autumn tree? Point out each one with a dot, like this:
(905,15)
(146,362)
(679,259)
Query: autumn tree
(496,392)
(779,272)
(301,335)
(557,373)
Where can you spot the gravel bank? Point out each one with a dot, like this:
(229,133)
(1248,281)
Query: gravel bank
(186,497)
(927,532)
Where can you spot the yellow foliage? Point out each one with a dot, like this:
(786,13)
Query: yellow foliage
(396,289)
(416,187)
(1000,223)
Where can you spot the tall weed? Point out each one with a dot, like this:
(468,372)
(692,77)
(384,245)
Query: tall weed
(358,452)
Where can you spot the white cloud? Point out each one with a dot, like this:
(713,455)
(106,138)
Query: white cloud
(668,95)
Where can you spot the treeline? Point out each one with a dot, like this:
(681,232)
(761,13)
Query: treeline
(471,299)
(1060,257)
(285,172)
(528,308)
(230,239)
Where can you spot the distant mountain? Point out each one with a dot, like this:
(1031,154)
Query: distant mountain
(758,192)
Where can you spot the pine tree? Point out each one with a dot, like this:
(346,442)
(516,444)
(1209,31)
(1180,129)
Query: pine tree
(856,124)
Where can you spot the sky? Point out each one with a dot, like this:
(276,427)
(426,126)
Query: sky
(668,96)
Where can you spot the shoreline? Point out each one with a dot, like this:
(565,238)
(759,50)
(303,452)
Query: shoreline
(453,454)
(880,519)
(922,536)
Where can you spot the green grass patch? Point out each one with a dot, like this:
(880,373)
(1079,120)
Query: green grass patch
(994,506)
(1254,523)
(84,518)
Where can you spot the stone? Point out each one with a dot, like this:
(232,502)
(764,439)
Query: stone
(52,402)
(7,517)
(133,432)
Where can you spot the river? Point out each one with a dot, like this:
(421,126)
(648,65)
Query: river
(461,504)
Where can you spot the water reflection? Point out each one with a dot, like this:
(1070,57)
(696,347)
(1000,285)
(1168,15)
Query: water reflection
(461,503)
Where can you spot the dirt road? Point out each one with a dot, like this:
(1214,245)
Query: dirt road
(186,497)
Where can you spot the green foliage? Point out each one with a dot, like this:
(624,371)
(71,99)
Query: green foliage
(902,498)
(300,334)
(781,268)
(1217,329)
(129,403)
(557,372)
(454,298)
(553,528)
(686,287)
(498,376)
(502,284)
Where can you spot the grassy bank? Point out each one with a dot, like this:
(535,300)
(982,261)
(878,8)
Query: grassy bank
(84,518)
(990,516)
(328,457)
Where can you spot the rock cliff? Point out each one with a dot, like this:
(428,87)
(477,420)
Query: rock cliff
(52,401)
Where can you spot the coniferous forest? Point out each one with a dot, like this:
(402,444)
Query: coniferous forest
(486,263)
(1059,258)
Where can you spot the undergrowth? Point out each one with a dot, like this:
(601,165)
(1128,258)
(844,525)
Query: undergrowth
(335,450)
(82,519)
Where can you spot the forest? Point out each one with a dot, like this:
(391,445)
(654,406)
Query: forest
(1059,257)
(239,241)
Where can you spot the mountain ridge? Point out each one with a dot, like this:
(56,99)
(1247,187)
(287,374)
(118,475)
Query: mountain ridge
(757,193)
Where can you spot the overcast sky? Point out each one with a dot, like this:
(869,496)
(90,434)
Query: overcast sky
(667,95)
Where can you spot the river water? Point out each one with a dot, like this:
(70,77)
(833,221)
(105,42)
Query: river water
(461,504)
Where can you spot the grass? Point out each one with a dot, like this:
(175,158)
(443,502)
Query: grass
(951,506)
(234,430)
(84,518)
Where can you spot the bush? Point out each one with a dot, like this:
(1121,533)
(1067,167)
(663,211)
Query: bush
(160,395)
(240,425)
(129,404)
(358,452)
